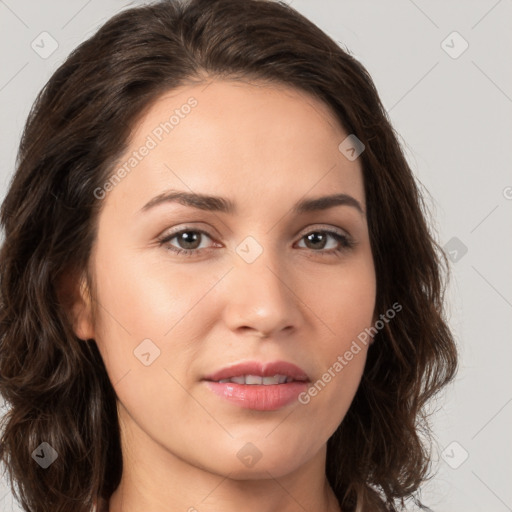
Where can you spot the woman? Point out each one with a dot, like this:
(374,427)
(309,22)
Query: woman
(219,288)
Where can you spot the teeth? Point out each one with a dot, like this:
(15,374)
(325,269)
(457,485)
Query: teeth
(253,379)
(258,380)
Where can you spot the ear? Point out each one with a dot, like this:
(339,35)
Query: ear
(74,296)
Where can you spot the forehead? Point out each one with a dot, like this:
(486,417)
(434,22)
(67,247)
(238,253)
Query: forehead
(251,140)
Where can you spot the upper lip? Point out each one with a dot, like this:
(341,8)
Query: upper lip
(261,369)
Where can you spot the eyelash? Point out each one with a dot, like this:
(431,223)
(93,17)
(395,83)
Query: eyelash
(345,242)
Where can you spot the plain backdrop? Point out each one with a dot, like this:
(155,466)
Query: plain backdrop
(443,72)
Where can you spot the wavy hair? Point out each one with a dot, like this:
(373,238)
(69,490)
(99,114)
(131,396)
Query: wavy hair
(55,385)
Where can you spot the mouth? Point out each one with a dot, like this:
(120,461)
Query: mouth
(259,386)
(259,373)
(255,380)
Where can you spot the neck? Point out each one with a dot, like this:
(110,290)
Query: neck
(234,496)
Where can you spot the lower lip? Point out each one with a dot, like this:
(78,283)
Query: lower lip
(258,397)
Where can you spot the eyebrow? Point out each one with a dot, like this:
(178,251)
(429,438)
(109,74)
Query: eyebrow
(224,205)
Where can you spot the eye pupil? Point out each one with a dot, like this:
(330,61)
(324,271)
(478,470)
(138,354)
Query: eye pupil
(315,237)
(189,237)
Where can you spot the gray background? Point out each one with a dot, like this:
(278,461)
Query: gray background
(452,109)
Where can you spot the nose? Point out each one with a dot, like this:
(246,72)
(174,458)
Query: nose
(259,298)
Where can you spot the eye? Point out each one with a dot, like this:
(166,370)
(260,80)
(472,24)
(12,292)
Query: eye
(190,241)
(190,238)
(318,240)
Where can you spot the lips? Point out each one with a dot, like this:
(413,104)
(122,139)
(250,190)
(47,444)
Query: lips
(258,386)
(255,372)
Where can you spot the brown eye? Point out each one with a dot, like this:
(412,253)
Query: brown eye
(317,241)
(188,241)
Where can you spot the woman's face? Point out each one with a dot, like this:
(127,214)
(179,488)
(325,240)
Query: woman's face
(263,282)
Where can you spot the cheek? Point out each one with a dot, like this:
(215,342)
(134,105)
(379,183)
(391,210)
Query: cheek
(345,305)
(148,334)
(145,307)
(343,299)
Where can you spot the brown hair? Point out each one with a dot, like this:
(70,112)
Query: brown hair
(56,385)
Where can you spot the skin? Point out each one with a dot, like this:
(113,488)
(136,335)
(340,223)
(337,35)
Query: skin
(265,147)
